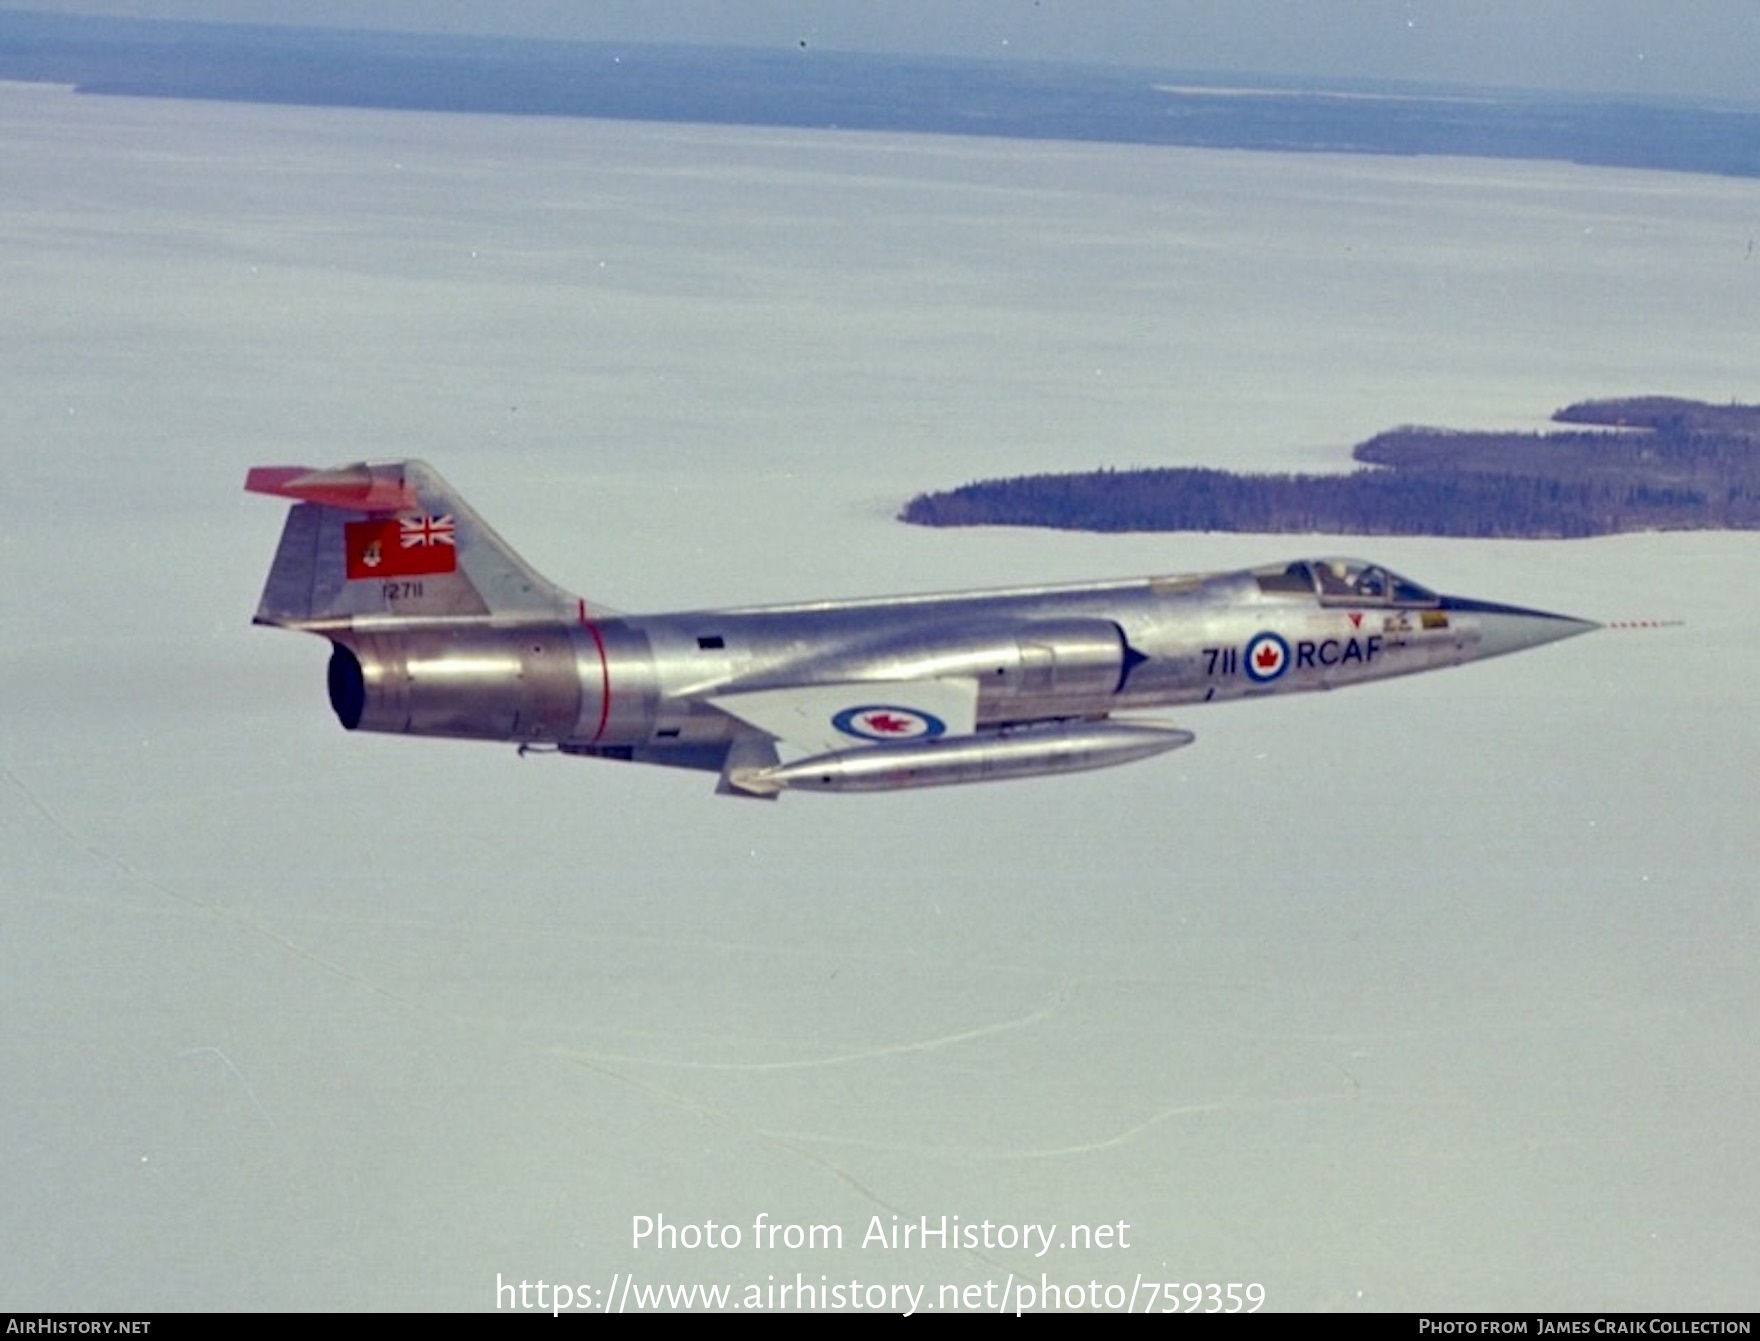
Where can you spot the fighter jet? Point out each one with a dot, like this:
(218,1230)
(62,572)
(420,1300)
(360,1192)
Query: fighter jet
(437,628)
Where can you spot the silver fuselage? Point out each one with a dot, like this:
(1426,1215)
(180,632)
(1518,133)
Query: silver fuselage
(1036,653)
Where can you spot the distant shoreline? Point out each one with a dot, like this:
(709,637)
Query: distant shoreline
(808,88)
(1682,465)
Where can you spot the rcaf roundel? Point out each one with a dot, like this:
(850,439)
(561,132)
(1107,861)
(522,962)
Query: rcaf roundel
(1267,657)
(887,721)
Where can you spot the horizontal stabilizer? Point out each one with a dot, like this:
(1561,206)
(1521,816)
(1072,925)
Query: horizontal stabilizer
(358,488)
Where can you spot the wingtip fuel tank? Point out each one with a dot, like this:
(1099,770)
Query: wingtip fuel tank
(1032,751)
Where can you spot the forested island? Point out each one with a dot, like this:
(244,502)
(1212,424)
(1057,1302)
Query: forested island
(1650,463)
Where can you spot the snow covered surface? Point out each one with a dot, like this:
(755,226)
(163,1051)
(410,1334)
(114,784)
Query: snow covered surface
(1435,994)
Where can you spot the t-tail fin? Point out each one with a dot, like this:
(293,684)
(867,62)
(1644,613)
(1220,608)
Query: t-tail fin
(388,541)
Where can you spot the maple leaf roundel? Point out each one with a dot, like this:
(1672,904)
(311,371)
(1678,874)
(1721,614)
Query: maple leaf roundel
(885,721)
(1266,657)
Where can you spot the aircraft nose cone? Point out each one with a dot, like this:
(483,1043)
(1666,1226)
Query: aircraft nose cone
(1510,628)
(1503,633)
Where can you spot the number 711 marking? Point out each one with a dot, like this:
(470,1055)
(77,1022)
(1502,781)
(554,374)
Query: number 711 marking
(1222,661)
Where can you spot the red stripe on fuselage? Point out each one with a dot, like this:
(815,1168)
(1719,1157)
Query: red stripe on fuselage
(604,673)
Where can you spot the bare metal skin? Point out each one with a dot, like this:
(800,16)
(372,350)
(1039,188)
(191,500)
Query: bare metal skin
(439,629)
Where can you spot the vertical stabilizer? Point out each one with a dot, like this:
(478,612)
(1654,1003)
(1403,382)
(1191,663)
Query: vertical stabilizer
(389,541)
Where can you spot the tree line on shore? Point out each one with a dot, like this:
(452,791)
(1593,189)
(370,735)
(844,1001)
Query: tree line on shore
(1636,464)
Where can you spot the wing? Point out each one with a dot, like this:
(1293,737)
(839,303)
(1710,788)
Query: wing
(819,719)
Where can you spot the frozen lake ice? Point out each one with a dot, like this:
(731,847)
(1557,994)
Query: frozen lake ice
(1435,995)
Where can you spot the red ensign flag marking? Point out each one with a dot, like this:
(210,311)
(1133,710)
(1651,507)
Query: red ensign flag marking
(406,547)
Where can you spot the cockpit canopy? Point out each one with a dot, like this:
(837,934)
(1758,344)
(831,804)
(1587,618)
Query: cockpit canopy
(1343,582)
